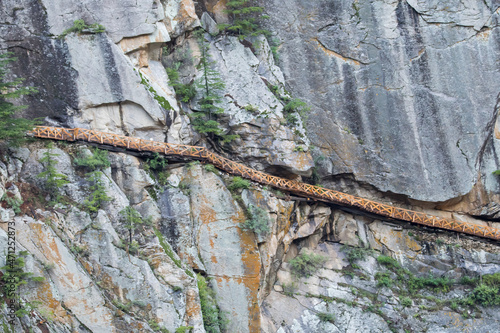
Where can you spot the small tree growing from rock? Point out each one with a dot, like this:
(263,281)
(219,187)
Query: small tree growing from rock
(53,180)
(12,128)
(210,87)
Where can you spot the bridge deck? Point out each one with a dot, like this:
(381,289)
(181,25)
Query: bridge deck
(302,189)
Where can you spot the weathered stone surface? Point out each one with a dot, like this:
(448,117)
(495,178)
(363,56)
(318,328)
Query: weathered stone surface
(70,284)
(230,255)
(131,279)
(176,224)
(262,134)
(180,16)
(412,85)
(142,42)
(209,24)
(113,81)
(395,81)
(62,164)
(42,61)
(130,177)
(117,17)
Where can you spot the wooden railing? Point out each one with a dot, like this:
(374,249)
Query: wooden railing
(302,189)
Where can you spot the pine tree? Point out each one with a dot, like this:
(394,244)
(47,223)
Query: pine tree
(53,179)
(210,86)
(245,19)
(98,196)
(11,128)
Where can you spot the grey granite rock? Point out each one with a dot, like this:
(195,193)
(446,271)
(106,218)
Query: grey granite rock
(409,94)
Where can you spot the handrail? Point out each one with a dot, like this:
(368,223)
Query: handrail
(299,188)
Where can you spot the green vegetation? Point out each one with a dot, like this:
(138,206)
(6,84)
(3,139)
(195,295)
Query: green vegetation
(211,168)
(191,164)
(485,295)
(13,277)
(12,129)
(81,250)
(413,284)
(388,262)
(156,327)
(185,92)
(383,279)
(355,254)
(437,284)
(326,317)
(245,19)
(98,196)
(132,219)
(492,280)
(168,250)
(184,329)
(80,26)
(125,307)
(258,220)
(289,289)
(156,166)
(293,108)
(406,302)
(162,101)
(53,180)
(213,318)
(238,183)
(485,292)
(305,265)
(274,44)
(251,108)
(315,177)
(98,160)
(13,202)
(210,87)
(156,162)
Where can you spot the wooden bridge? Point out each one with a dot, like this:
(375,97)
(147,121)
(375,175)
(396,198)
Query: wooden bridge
(298,188)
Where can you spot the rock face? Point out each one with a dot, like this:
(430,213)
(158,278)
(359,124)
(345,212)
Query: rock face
(404,103)
(409,100)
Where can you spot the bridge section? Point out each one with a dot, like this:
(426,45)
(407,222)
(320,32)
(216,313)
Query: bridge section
(298,188)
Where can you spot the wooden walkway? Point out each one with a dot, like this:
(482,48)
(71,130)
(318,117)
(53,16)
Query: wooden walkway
(301,189)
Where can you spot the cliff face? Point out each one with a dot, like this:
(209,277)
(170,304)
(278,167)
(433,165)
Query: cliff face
(404,109)
(427,68)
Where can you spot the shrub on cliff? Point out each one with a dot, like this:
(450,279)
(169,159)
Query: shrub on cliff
(257,221)
(305,264)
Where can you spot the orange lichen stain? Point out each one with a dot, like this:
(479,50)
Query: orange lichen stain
(484,35)
(88,267)
(207,214)
(250,257)
(334,54)
(193,309)
(283,219)
(218,9)
(47,242)
(411,243)
(302,160)
(45,296)
(108,284)
(186,13)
